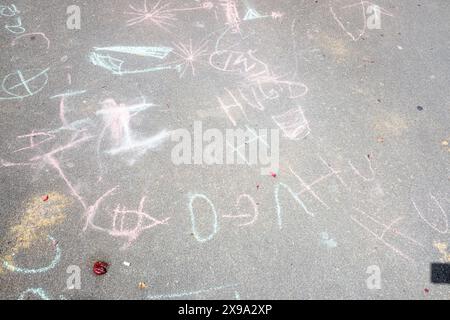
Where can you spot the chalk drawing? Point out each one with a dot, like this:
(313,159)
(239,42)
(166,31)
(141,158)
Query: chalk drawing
(238,62)
(32,34)
(252,14)
(188,55)
(102,57)
(441,212)
(33,228)
(327,241)
(234,104)
(278,203)
(293,124)
(356,171)
(443,250)
(128,224)
(16,28)
(8,11)
(144,222)
(385,230)
(363,5)
(117,120)
(32,139)
(333,172)
(231,14)
(254,206)
(52,264)
(18,86)
(39,292)
(68,94)
(189,293)
(308,188)
(155,15)
(215,226)
(154,52)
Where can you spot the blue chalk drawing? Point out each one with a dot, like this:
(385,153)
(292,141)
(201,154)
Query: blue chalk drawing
(155,52)
(102,57)
(197,236)
(12,11)
(25,84)
(327,241)
(52,265)
(277,202)
(16,29)
(35,291)
(68,94)
(252,15)
(75,126)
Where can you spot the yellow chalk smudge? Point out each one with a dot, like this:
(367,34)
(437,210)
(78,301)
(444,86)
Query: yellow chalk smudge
(443,250)
(39,217)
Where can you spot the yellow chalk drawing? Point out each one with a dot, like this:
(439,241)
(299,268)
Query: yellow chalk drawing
(443,250)
(39,217)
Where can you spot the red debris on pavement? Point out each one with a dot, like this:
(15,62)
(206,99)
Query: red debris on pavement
(100,268)
(45,198)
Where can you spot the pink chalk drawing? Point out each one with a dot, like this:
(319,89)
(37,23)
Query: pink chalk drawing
(231,15)
(128,224)
(117,119)
(49,158)
(366,7)
(156,16)
(293,124)
(432,220)
(308,188)
(188,55)
(227,107)
(356,171)
(254,207)
(238,62)
(32,137)
(380,230)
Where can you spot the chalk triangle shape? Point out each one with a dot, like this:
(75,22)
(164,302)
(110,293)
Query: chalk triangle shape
(252,14)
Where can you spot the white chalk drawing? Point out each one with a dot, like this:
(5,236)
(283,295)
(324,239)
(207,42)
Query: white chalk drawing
(293,123)
(441,212)
(381,230)
(254,207)
(356,171)
(38,292)
(369,22)
(215,225)
(278,202)
(117,119)
(190,293)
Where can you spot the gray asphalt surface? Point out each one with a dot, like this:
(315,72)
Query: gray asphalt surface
(363,182)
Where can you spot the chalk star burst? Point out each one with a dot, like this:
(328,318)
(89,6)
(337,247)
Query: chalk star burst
(188,55)
(156,15)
